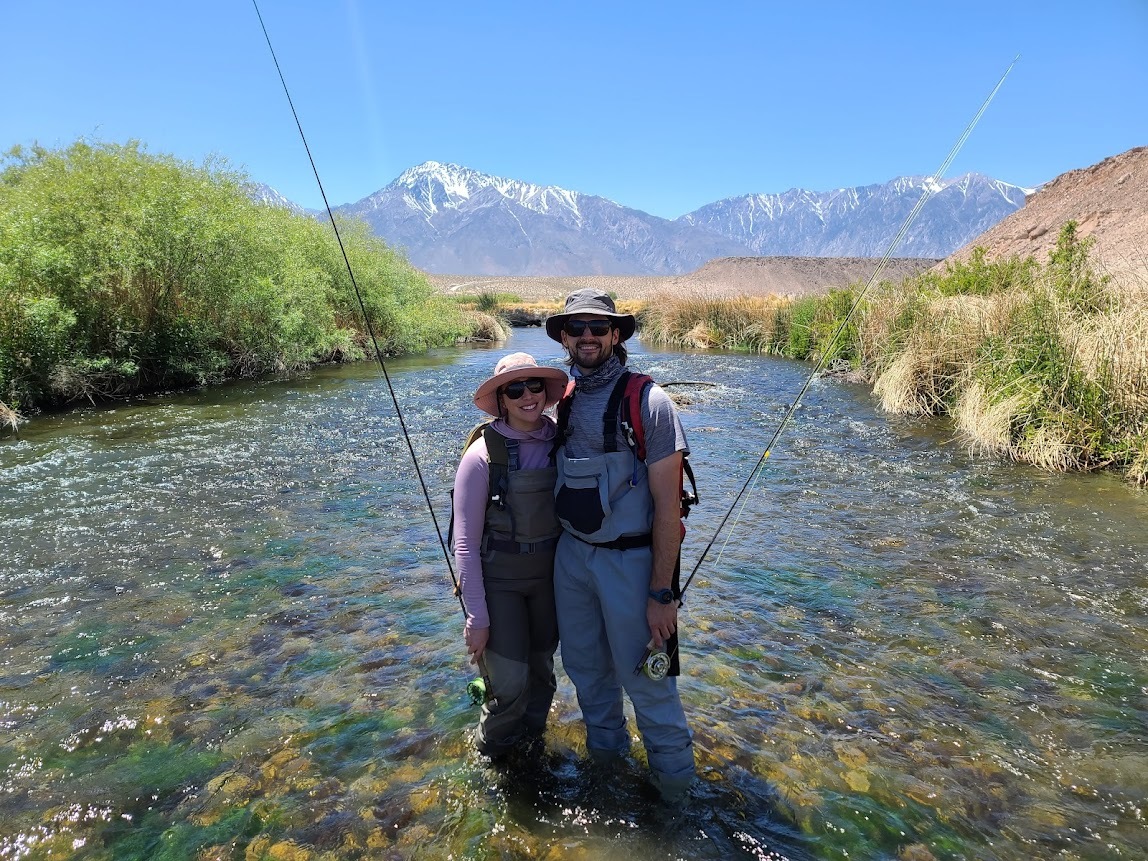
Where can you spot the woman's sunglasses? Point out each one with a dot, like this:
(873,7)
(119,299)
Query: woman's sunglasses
(598,328)
(516,389)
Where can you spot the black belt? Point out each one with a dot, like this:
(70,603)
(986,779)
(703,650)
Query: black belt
(504,545)
(626,542)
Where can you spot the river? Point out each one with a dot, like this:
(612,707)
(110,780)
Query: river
(227,631)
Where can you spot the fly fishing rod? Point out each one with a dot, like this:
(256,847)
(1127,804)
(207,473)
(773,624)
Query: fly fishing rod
(655,663)
(480,690)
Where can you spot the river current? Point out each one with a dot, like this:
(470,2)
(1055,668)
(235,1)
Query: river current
(227,631)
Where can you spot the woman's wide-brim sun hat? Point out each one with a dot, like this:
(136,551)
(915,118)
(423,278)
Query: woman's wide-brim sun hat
(590,301)
(519,366)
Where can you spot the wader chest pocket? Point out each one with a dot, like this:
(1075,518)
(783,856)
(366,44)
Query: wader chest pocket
(582,502)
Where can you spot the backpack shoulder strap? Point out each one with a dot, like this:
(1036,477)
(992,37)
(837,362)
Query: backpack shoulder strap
(631,419)
(630,412)
(613,414)
(476,432)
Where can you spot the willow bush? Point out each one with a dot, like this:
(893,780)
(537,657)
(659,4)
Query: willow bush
(125,272)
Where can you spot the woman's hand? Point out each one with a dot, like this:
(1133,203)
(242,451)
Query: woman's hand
(476,640)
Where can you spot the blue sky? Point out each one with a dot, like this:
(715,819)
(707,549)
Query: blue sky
(662,106)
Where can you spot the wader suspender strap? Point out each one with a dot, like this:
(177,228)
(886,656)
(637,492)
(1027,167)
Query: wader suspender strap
(501,460)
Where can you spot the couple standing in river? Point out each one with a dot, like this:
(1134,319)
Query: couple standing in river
(563,533)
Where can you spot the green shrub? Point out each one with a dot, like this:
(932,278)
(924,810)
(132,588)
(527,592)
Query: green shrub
(1073,278)
(35,335)
(801,336)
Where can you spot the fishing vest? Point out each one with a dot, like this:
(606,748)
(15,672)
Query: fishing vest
(520,531)
(605,499)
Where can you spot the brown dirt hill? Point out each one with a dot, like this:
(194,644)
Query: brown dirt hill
(728,276)
(1109,201)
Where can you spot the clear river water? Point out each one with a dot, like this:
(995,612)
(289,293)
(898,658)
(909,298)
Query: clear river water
(227,631)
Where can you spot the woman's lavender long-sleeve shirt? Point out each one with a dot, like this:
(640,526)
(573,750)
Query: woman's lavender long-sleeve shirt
(471,496)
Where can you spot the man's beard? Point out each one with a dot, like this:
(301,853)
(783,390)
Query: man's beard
(598,360)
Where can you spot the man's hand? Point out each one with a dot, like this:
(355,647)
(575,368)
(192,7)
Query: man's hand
(662,619)
(476,640)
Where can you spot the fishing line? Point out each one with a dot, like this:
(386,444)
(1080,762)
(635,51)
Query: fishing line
(932,185)
(479,691)
(362,308)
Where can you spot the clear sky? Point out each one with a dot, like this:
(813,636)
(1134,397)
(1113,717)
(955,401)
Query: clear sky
(662,106)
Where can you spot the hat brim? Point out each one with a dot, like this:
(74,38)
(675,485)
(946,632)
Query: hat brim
(486,397)
(625,323)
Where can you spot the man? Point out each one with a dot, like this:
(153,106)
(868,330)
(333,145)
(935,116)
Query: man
(616,562)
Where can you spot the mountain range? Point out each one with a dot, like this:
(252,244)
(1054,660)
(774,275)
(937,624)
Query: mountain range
(452,219)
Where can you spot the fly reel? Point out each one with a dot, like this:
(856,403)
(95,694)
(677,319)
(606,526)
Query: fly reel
(654,664)
(478,692)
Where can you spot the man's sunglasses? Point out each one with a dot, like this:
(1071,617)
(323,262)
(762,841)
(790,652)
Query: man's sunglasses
(516,389)
(598,328)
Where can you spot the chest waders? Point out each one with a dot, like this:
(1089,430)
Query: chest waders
(520,532)
(605,500)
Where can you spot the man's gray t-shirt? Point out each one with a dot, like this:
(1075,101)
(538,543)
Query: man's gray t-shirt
(662,427)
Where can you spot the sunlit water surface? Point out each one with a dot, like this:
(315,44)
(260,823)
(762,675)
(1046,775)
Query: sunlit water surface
(227,631)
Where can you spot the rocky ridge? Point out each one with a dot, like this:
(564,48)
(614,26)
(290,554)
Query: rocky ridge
(1109,201)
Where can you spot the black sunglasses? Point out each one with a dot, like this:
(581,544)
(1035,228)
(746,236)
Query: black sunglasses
(516,389)
(598,328)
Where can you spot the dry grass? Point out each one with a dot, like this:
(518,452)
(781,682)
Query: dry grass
(986,419)
(1113,348)
(930,361)
(708,321)
(1024,372)
(487,327)
(9,418)
(1053,444)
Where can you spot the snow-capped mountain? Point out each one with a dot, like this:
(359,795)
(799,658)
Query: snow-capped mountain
(863,221)
(452,219)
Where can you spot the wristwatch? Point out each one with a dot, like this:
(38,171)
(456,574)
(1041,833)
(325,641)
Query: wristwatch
(662,596)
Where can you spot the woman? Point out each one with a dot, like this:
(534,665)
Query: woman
(505,535)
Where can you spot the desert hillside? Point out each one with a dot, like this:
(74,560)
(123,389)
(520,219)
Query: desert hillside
(728,276)
(1109,201)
